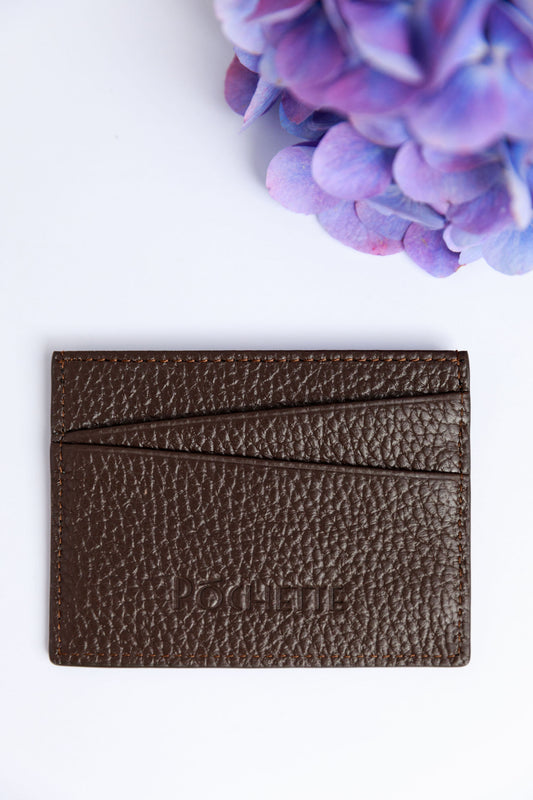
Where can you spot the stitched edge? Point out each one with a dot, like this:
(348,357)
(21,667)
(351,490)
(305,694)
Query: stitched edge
(257,360)
(460,512)
(60,504)
(229,359)
(252,655)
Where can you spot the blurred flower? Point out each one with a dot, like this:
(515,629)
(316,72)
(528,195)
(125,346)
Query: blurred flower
(417,117)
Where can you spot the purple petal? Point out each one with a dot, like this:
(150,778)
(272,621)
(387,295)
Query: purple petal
(336,20)
(428,250)
(518,121)
(504,33)
(521,13)
(468,114)
(388,225)
(425,184)
(344,225)
(520,58)
(386,131)
(272,11)
(364,90)
(264,97)
(290,182)
(522,69)
(443,15)
(239,86)
(458,28)
(233,15)
(313,128)
(394,201)
(510,252)
(383,35)
(489,213)
(294,110)
(453,162)
(309,53)
(350,167)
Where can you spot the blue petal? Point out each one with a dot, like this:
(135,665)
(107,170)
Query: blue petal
(510,252)
(515,177)
(248,60)
(264,97)
(233,14)
(504,33)
(520,14)
(388,225)
(267,66)
(458,240)
(394,201)
(312,128)
(470,254)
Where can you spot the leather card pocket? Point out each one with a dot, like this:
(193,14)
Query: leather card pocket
(301,534)
(358,433)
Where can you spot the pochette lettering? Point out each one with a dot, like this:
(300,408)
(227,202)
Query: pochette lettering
(210,595)
(256,509)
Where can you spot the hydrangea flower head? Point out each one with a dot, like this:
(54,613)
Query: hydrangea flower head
(415,119)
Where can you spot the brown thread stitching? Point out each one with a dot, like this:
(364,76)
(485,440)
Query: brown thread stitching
(60,521)
(257,360)
(249,655)
(461,520)
(204,360)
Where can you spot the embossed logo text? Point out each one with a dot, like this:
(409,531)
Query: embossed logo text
(209,595)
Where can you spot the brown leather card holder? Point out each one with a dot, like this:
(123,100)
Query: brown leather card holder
(260,509)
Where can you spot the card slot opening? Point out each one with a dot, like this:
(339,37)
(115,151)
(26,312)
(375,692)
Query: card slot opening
(409,433)
(252,461)
(274,412)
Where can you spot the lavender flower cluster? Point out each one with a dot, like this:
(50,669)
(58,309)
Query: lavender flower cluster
(416,118)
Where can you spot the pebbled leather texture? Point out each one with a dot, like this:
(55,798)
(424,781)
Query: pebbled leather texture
(253,509)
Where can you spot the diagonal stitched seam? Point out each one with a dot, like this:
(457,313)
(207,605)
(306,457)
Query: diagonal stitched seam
(263,462)
(176,360)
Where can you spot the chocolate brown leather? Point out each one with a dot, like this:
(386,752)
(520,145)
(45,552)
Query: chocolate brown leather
(253,509)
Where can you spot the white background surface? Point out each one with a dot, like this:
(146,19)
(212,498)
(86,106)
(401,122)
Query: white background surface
(134,215)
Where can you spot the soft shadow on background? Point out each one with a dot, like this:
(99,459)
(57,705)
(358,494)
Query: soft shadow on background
(265,137)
